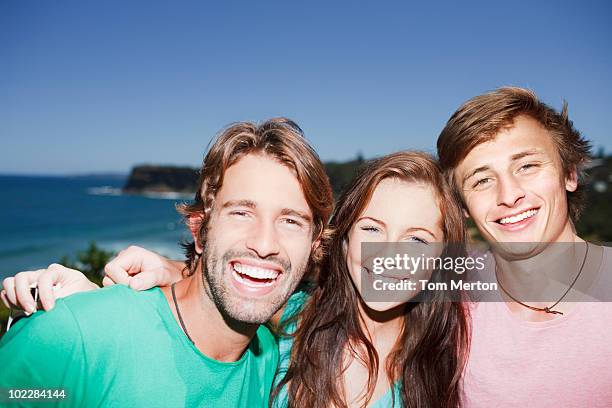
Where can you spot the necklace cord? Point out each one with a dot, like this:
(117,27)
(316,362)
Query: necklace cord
(178,312)
(549,308)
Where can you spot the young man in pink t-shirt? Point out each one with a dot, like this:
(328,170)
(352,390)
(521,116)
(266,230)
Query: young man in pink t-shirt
(515,163)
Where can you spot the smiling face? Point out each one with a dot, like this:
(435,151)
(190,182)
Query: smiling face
(398,211)
(258,241)
(514,186)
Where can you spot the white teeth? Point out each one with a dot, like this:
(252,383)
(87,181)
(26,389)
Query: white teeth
(519,217)
(250,283)
(255,272)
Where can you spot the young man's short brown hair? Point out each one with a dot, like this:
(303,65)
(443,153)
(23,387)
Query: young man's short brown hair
(280,139)
(480,119)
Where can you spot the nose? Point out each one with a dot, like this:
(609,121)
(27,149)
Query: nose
(509,191)
(263,239)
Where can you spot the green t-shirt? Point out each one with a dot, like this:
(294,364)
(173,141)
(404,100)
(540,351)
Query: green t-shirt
(118,347)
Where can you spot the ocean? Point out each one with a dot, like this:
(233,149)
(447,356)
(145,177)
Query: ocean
(45,218)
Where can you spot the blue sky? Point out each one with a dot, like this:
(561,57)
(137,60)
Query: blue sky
(101,86)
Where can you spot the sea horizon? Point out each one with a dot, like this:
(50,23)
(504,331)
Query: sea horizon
(46,217)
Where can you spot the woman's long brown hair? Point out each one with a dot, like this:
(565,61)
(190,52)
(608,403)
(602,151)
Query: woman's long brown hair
(430,354)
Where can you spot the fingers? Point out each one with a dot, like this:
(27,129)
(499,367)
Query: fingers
(127,260)
(145,280)
(138,268)
(9,291)
(116,272)
(107,281)
(24,281)
(47,280)
(5,299)
(54,282)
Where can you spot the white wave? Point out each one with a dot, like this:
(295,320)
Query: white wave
(104,190)
(159,195)
(169,195)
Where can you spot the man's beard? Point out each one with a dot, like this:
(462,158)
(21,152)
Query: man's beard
(232,305)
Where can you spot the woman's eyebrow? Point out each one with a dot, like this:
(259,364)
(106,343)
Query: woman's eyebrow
(367,217)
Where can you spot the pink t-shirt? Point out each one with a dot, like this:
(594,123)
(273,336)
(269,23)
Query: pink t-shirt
(564,362)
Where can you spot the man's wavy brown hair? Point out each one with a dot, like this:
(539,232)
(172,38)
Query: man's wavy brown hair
(280,139)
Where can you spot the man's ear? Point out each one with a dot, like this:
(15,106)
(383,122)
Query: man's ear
(571,180)
(195,224)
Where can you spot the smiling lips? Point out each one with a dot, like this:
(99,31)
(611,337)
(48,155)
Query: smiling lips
(254,280)
(518,220)
(255,272)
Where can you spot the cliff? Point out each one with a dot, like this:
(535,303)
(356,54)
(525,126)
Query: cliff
(165,179)
(161,179)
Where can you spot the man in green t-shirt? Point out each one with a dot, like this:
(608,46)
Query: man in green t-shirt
(256,223)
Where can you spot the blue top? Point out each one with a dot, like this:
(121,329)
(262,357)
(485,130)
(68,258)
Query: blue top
(294,305)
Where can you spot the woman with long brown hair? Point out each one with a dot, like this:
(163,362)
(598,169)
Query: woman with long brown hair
(347,351)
